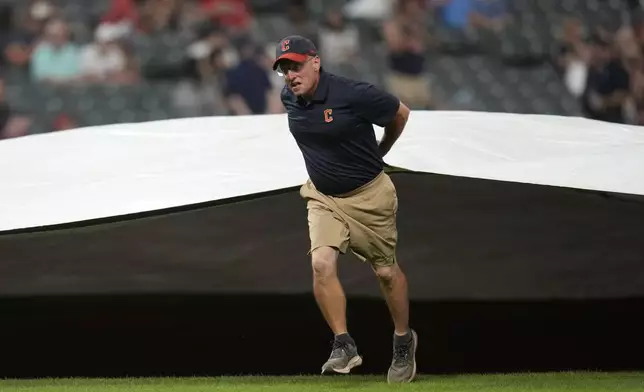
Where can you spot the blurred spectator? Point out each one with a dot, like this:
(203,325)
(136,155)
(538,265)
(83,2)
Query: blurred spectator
(22,31)
(607,86)
(248,89)
(407,38)
(339,40)
(201,48)
(11,124)
(626,42)
(56,59)
(199,93)
(573,55)
(206,54)
(630,52)
(104,60)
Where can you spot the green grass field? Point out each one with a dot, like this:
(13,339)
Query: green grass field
(568,382)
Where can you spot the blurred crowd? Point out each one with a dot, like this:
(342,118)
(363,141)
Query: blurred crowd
(605,69)
(227,66)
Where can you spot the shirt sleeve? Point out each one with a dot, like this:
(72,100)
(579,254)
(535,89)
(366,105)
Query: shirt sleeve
(374,104)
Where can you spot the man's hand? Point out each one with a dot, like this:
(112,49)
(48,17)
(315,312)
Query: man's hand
(394,129)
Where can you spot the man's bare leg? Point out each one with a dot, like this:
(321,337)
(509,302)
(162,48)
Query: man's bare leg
(331,300)
(327,289)
(393,284)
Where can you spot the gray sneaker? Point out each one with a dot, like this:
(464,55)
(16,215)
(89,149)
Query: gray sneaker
(343,358)
(403,364)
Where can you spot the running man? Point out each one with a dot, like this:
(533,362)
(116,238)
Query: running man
(351,201)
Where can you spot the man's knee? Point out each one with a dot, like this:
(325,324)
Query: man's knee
(387,274)
(323,261)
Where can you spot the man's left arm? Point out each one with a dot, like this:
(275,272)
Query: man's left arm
(384,110)
(394,129)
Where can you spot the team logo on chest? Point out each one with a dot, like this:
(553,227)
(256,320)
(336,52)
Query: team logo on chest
(328,115)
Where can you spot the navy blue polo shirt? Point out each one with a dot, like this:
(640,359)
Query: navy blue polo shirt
(335,131)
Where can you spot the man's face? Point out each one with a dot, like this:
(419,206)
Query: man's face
(300,77)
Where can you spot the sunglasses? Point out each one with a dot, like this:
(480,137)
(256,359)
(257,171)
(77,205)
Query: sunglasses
(285,66)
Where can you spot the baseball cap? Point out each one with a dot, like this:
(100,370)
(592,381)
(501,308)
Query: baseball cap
(295,48)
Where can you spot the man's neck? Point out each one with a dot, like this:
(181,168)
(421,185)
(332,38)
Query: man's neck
(309,97)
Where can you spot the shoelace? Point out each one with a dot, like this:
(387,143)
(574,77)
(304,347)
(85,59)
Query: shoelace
(401,352)
(338,346)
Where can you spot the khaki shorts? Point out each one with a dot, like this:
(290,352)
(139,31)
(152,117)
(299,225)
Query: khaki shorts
(363,221)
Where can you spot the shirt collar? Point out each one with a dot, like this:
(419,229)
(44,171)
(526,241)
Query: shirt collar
(323,87)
